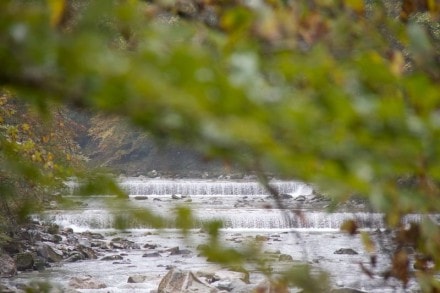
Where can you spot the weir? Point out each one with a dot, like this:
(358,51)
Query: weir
(205,211)
(211,187)
(237,219)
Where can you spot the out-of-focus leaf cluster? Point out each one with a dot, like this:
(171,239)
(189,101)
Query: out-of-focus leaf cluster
(344,95)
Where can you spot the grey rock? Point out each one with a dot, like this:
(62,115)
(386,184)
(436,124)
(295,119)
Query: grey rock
(75,256)
(86,282)
(151,254)
(137,279)
(152,174)
(112,257)
(88,252)
(285,257)
(300,198)
(346,290)
(141,197)
(39,263)
(7,289)
(121,243)
(84,242)
(50,253)
(92,235)
(7,266)
(180,281)
(285,196)
(176,196)
(150,246)
(172,250)
(345,251)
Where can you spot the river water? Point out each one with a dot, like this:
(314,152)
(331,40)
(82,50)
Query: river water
(302,229)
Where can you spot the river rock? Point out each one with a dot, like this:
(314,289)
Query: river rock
(121,243)
(84,242)
(152,174)
(141,197)
(87,252)
(151,254)
(92,235)
(172,250)
(346,290)
(137,279)
(345,251)
(7,289)
(40,263)
(7,266)
(75,256)
(285,196)
(24,261)
(150,246)
(112,257)
(176,196)
(180,281)
(300,198)
(261,238)
(285,257)
(86,282)
(51,254)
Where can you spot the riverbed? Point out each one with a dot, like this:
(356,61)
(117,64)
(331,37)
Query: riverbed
(302,230)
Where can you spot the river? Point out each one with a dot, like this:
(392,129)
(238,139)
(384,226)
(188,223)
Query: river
(302,229)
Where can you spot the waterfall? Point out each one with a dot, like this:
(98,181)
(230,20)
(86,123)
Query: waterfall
(236,219)
(208,187)
(205,209)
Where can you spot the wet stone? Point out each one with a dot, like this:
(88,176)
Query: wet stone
(151,254)
(74,257)
(261,238)
(136,279)
(112,257)
(86,282)
(345,251)
(285,257)
(150,246)
(7,266)
(141,197)
(24,261)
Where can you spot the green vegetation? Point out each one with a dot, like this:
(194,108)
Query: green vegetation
(341,94)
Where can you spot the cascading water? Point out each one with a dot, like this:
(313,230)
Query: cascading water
(217,200)
(208,187)
(242,220)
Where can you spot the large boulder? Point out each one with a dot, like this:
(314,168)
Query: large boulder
(7,266)
(51,254)
(180,281)
(24,261)
(86,282)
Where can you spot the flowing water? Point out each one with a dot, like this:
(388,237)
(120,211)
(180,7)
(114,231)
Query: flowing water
(301,228)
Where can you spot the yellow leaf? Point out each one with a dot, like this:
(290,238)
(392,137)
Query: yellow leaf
(397,63)
(25,127)
(355,5)
(45,138)
(367,242)
(56,11)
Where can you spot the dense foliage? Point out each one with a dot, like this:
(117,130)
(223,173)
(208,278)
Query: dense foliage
(343,94)
(35,155)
